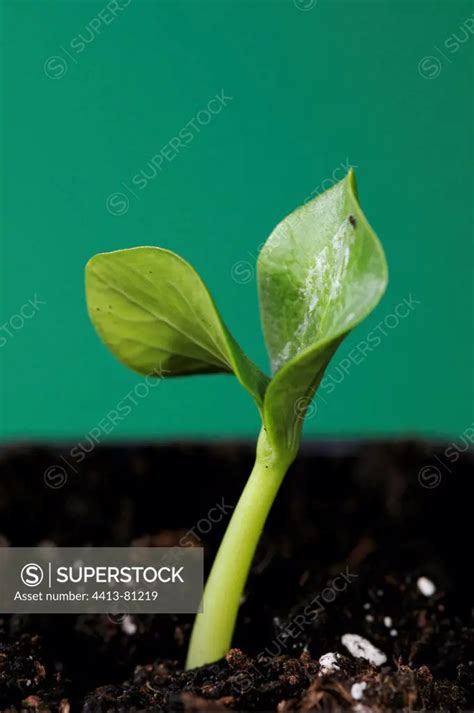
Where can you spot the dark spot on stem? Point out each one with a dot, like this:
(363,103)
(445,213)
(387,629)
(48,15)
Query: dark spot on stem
(352,221)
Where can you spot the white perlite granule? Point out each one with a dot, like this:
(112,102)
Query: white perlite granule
(357,690)
(362,649)
(426,586)
(328,663)
(128,625)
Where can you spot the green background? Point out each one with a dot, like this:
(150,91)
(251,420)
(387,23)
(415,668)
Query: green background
(377,84)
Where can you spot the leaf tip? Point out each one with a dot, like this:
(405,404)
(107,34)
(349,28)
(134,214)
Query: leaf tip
(352,182)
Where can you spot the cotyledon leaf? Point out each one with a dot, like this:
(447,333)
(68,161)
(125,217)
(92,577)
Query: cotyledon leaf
(321,271)
(155,314)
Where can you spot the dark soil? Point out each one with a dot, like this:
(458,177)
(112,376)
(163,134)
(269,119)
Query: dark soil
(353,530)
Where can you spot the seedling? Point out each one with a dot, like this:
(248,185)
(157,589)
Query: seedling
(321,271)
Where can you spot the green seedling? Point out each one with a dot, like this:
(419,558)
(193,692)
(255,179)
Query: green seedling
(320,273)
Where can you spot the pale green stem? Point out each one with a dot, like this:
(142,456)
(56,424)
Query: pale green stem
(213,628)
